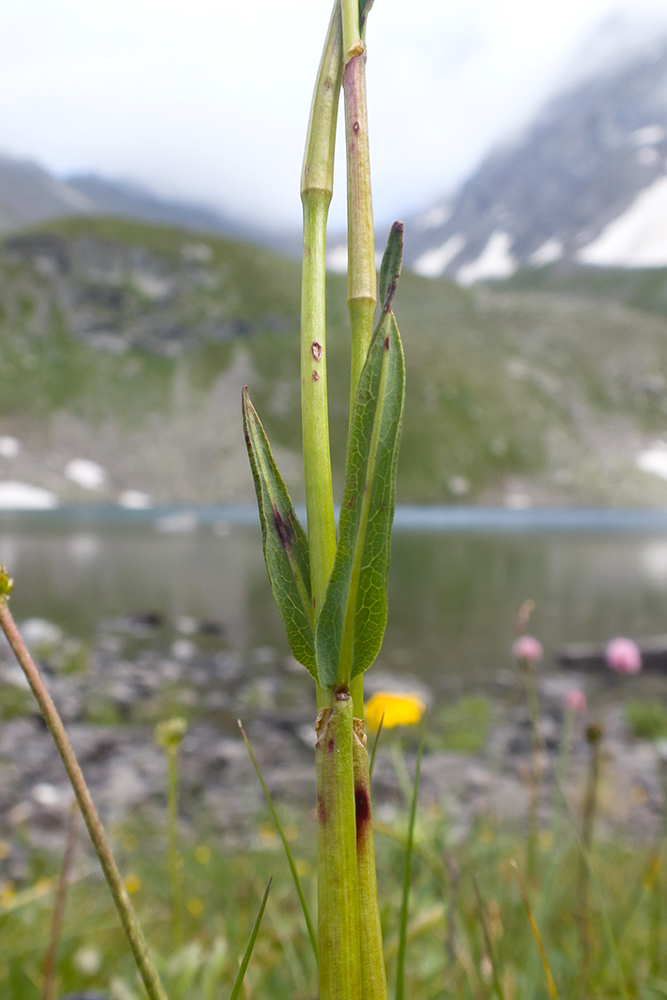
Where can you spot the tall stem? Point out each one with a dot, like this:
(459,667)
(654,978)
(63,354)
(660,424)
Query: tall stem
(373,973)
(338,912)
(361,277)
(128,917)
(173,860)
(316,192)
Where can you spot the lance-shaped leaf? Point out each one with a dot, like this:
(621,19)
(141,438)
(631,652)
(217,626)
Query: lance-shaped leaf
(352,620)
(285,542)
(390,269)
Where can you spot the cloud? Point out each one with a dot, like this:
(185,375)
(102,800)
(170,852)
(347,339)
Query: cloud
(208,99)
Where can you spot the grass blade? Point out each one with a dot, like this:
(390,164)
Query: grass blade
(403,930)
(375,747)
(238,982)
(285,543)
(487,940)
(281,834)
(551,986)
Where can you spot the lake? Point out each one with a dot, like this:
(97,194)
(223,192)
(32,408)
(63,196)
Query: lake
(458,576)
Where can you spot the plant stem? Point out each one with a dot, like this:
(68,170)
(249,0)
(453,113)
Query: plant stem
(59,906)
(338,912)
(373,972)
(536,783)
(361,277)
(403,929)
(172,844)
(593,738)
(316,192)
(128,917)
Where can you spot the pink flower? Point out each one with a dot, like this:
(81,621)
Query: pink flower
(527,648)
(623,656)
(575,701)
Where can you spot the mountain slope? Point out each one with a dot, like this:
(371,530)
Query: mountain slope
(29,194)
(586,182)
(128,345)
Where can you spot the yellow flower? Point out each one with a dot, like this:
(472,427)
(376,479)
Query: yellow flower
(398,710)
(133,884)
(203,854)
(7,894)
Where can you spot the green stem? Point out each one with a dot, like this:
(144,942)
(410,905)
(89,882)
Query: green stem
(48,989)
(352,43)
(172,844)
(361,276)
(316,192)
(373,973)
(536,782)
(338,913)
(403,930)
(128,917)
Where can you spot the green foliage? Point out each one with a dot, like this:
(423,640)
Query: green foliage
(647,720)
(285,542)
(352,620)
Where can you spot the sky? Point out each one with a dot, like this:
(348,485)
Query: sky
(208,100)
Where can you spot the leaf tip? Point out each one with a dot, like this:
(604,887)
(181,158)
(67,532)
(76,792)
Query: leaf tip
(390,270)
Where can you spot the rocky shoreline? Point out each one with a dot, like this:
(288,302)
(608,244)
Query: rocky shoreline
(111,707)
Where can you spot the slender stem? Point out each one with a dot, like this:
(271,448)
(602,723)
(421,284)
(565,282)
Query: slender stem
(536,783)
(373,972)
(172,844)
(352,43)
(338,913)
(316,192)
(128,917)
(593,738)
(281,833)
(403,932)
(59,906)
(361,277)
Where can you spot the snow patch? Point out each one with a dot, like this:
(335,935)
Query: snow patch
(638,237)
(20,496)
(432,263)
(85,473)
(433,218)
(9,446)
(654,459)
(135,500)
(495,261)
(550,251)
(336,259)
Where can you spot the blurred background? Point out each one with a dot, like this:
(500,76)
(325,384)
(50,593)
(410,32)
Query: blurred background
(149,268)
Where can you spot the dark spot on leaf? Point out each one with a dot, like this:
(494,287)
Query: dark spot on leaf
(316,377)
(321,810)
(330,744)
(351,502)
(316,350)
(362,809)
(386,343)
(283,529)
(328,84)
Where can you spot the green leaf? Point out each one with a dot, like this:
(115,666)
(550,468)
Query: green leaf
(390,269)
(352,620)
(285,542)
